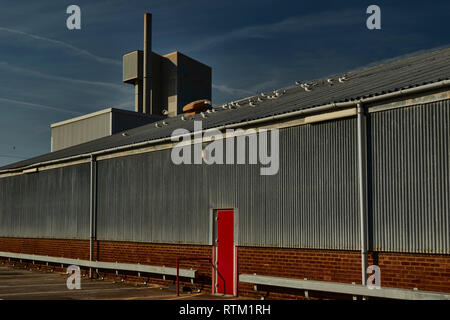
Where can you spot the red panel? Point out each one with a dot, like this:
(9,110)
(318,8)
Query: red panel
(225,251)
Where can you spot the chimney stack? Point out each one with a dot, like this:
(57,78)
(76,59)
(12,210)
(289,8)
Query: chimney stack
(147,103)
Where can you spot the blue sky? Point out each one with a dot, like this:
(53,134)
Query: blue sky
(49,73)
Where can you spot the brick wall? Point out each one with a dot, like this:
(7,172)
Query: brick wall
(400,270)
(422,271)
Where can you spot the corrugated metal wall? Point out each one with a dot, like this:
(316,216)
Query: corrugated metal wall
(78,132)
(411,178)
(312,202)
(47,204)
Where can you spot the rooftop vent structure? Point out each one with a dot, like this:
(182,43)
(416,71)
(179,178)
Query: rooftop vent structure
(164,84)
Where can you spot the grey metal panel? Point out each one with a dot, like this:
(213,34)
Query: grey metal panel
(411,178)
(132,66)
(78,132)
(390,76)
(311,202)
(47,204)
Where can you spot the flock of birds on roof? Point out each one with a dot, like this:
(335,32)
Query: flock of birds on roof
(253,101)
(330,81)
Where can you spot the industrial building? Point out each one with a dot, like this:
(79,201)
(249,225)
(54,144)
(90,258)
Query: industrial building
(364,179)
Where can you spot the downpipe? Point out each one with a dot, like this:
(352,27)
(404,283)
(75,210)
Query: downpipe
(362,186)
(92,209)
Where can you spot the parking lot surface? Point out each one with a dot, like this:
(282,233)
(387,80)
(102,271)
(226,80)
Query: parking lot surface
(23,284)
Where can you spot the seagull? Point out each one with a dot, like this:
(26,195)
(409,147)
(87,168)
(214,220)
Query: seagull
(252,104)
(157,125)
(343,78)
(165,112)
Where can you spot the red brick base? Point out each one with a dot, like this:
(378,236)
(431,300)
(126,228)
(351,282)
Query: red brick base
(422,271)
(399,270)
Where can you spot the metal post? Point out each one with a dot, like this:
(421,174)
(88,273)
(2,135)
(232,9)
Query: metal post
(147,105)
(362,186)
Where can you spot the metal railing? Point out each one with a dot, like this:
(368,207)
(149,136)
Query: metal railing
(343,288)
(195,259)
(188,273)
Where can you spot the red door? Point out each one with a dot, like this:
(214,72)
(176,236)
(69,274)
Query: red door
(225,252)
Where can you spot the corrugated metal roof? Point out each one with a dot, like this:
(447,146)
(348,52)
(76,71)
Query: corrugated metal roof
(375,80)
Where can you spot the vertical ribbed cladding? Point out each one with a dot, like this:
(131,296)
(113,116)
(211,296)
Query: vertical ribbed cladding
(312,201)
(147,198)
(411,178)
(47,204)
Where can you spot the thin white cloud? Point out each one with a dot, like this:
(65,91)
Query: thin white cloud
(65,45)
(295,25)
(39,74)
(229,90)
(39,106)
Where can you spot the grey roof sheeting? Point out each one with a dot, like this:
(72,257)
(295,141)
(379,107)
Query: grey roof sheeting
(412,71)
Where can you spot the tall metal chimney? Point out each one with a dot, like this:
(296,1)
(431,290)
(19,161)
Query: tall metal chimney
(147,101)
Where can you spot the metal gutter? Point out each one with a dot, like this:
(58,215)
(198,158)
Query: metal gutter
(344,288)
(326,107)
(188,273)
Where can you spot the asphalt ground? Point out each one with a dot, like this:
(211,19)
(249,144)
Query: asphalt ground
(23,284)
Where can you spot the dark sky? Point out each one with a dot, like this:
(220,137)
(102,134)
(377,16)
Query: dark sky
(49,73)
